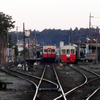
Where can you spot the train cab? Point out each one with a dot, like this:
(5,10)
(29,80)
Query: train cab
(49,52)
(68,54)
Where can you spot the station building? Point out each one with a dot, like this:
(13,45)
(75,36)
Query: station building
(88,50)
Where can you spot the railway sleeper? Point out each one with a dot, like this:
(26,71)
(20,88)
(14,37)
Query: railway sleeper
(48,89)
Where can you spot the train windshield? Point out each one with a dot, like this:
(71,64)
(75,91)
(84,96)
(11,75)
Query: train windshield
(68,51)
(53,50)
(72,51)
(45,50)
(49,50)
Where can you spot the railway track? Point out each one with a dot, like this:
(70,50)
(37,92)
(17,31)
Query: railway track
(84,81)
(53,82)
(95,95)
(81,92)
(41,86)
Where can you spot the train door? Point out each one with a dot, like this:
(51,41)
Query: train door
(49,52)
(68,54)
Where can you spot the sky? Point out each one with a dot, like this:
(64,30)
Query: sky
(49,14)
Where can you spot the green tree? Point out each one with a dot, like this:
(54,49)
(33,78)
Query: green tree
(6,24)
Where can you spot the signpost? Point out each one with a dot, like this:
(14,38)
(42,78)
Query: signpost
(27,35)
(24,66)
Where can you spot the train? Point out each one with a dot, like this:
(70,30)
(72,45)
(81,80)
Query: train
(68,54)
(49,53)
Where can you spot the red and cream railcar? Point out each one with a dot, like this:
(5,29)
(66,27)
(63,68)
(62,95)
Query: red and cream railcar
(49,52)
(68,54)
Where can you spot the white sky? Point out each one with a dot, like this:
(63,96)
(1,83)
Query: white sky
(58,14)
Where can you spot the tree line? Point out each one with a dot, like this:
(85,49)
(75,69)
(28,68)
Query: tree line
(54,36)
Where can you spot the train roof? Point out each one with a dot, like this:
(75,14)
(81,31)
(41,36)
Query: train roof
(49,46)
(68,47)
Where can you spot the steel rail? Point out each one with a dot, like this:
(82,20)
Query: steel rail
(37,89)
(93,93)
(37,77)
(97,88)
(63,94)
(86,79)
(90,71)
(37,86)
(22,78)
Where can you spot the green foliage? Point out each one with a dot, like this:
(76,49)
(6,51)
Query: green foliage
(6,24)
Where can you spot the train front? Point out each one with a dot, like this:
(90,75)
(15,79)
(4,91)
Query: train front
(49,53)
(68,54)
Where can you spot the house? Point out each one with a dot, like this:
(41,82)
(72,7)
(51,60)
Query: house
(89,49)
(6,54)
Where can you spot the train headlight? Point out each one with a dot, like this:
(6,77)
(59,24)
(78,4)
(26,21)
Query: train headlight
(68,55)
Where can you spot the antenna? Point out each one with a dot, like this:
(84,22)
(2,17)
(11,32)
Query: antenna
(90,20)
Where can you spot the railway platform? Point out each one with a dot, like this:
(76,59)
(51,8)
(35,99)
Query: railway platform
(31,61)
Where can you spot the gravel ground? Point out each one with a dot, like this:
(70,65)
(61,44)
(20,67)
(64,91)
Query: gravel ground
(22,90)
(93,67)
(16,91)
(69,77)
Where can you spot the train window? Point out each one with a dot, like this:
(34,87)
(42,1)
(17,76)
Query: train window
(63,51)
(68,51)
(72,51)
(49,50)
(53,50)
(45,50)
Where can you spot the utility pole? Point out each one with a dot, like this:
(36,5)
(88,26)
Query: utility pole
(96,40)
(17,42)
(35,42)
(29,51)
(27,35)
(17,34)
(96,51)
(28,48)
(24,47)
(90,24)
(90,21)
(69,38)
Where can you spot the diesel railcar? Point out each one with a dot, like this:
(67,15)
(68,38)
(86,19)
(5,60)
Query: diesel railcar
(49,52)
(68,54)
